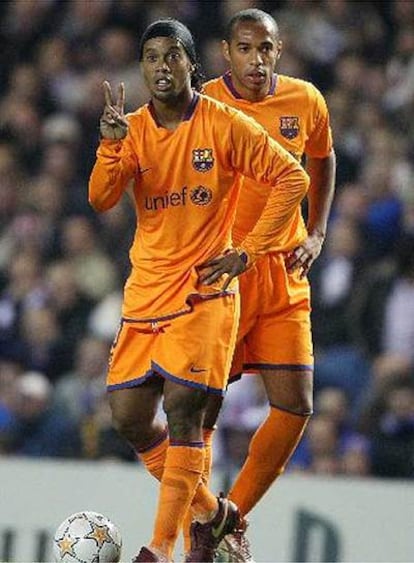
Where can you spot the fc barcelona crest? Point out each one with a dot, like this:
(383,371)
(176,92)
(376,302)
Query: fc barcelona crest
(203,159)
(289,126)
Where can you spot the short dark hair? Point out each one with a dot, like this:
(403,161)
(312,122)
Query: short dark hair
(170,27)
(249,15)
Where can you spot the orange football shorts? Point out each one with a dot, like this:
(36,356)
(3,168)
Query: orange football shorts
(194,349)
(275,328)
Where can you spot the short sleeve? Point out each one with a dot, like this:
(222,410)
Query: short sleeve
(319,143)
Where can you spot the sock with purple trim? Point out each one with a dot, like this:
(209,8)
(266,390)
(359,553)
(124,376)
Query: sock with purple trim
(153,456)
(184,465)
(269,452)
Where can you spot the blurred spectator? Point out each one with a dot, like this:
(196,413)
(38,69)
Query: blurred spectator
(338,361)
(389,421)
(82,395)
(383,311)
(44,343)
(243,410)
(39,430)
(319,449)
(78,391)
(100,440)
(24,291)
(94,271)
(71,306)
(10,371)
(328,448)
(105,317)
(118,54)
(333,279)
(117,228)
(356,459)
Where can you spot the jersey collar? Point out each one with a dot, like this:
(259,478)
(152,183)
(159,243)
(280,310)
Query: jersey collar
(188,114)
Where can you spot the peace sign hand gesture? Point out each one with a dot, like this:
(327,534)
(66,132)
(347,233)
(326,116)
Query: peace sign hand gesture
(113,124)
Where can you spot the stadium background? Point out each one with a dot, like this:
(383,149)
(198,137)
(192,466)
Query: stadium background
(62,267)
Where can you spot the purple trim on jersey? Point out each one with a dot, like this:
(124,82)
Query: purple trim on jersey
(191,108)
(229,83)
(190,300)
(273,83)
(186,444)
(188,114)
(278,367)
(156,442)
(185,382)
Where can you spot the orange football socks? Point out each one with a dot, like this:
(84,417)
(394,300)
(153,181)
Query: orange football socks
(201,491)
(269,452)
(204,501)
(184,465)
(153,456)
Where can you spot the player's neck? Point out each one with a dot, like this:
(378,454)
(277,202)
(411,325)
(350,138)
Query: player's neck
(170,113)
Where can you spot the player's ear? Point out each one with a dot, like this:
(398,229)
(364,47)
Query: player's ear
(279,48)
(226,50)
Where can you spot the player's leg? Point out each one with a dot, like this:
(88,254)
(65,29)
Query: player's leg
(214,405)
(134,413)
(184,462)
(290,398)
(209,426)
(279,346)
(134,394)
(181,478)
(193,357)
(134,417)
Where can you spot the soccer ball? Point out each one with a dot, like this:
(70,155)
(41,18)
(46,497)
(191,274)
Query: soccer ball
(87,537)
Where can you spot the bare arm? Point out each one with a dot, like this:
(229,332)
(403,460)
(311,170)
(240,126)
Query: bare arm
(320,196)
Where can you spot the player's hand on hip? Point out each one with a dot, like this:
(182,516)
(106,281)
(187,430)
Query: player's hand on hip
(230,264)
(113,124)
(303,256)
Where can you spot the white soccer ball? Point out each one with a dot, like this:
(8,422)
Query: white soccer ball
(87,537)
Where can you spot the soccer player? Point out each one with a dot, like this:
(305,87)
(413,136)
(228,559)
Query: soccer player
(183,155)
(274,335)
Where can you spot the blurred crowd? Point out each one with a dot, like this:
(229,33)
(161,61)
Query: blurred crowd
(62,266)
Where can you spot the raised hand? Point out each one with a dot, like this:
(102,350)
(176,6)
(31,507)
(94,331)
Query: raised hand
(113,124)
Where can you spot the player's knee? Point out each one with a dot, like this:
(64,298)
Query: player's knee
(303,405)
(125,427)
(294,394)
(305,400)
(300,403)
(185,412)
(135,427)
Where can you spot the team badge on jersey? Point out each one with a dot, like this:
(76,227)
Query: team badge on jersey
(201,195)
(289,126)
(203,159)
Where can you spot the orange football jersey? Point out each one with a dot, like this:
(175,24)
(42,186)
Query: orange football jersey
(295,114)
(186,186)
